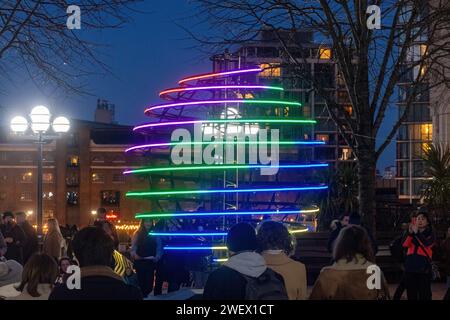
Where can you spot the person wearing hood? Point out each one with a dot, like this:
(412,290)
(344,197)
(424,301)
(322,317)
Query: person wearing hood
(276,245)
(236,279)
(347,278)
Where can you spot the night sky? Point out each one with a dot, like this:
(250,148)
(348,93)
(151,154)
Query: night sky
(150,54)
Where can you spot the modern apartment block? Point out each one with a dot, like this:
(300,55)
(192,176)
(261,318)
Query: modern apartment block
(313,61)
(417,130)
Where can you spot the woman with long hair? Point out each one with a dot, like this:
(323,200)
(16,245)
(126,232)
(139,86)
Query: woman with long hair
(143,251)
(347,278)
(54,242)
(38,278)
(276,245)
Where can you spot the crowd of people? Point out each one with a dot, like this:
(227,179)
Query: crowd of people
(260,264)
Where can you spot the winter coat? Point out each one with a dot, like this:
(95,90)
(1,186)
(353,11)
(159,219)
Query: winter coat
(446,253)
(2,244)
(44,290)
(227,282)
(31,245)
(53,245)
(347,281)
(10,272)
(419,251)
(15,249)
(293,273)
(98,283)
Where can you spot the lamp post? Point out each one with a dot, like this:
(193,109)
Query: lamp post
(40,123)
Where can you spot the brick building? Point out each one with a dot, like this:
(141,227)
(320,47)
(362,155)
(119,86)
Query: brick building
(82,171)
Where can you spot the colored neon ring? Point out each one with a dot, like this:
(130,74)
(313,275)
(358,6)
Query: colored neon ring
(202,102)
(220,260)
(195,248)
(183,89)
(224,167)
(249,121)
(298,230)
(188,234)
(225,213)
(218,74)
(176,192)
(172,144)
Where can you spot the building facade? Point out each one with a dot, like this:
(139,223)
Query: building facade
(313,61)
(81,172)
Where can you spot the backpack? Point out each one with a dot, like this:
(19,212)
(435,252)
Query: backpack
(267,286)
(397,250)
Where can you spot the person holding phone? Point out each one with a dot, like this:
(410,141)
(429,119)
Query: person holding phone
(418,262)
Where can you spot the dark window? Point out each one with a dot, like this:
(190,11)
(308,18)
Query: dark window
(72,198)
(110,198)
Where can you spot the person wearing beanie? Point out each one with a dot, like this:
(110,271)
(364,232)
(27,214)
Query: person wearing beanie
(235,280)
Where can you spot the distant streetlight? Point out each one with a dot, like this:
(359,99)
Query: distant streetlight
(40,123)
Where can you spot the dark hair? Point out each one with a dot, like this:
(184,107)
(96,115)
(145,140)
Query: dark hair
(141,233)
(40,268)
(274,235)
(8,214)
(341,217)
(93,246)
(353,240)
(20,213)
(425,215)
(63,259)
(242,237)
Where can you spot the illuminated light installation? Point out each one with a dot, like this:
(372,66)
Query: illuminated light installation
(204,143)
(185,89)
(223,121)
(224,213)
(219,74)
(223,167)
(235,102)
(220,103)
(178,192)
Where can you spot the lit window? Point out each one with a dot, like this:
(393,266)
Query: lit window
(325,53)
(423,50)
(426,131)
(349,110)
(345,154)
(48,195)
(98,178)
(323,137)
(47,177)
(270,70)
(25,196)
(74,161)
(27,177)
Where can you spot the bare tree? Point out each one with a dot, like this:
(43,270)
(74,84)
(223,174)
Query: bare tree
(34,36)
(372,63)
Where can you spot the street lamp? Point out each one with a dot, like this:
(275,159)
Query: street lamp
(40,123)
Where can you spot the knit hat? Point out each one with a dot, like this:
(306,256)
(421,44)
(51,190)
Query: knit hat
(241,237)
(8,214)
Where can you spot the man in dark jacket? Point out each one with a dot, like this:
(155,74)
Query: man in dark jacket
(230,282)
(336,227)
(14,236)
(31,246)
(93,249)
